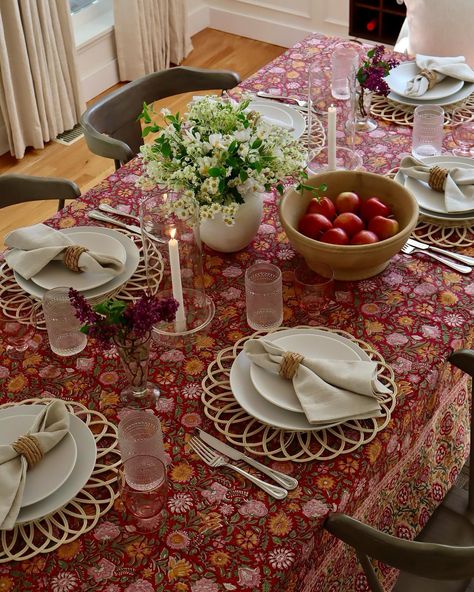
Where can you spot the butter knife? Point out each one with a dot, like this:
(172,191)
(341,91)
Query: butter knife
(458,256)
(95,215)
(284,480)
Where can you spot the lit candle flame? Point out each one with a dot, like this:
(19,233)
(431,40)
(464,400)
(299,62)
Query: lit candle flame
(173,232)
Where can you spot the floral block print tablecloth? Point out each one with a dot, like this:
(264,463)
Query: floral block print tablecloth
(220,532)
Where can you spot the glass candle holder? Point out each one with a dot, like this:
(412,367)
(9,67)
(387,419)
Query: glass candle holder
(171,240)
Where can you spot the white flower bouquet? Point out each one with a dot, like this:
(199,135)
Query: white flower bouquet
(220,152)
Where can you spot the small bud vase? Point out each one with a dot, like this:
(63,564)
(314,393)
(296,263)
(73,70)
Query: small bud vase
(363,121)
(134,353)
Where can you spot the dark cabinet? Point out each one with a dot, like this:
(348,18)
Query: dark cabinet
(376,20)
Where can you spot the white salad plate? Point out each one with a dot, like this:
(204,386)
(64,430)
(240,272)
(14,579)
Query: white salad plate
(52,471)
(85,463)
(56,274)
(255,405)
(432,202)
(277,112)
(279,391)
(398,78)
(131,264)
(460,95)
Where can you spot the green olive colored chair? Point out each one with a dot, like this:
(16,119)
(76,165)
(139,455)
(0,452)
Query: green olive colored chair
(16,189)
(441,559)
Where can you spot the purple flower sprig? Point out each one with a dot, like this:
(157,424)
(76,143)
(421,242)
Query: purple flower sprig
(115,320)
(374,69)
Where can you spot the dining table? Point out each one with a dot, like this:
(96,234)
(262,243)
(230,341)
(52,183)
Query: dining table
(218,531)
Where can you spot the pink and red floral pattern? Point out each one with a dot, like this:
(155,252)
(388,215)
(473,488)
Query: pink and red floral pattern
(220,532)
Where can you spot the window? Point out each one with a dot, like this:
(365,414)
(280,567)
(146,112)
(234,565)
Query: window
(77,5)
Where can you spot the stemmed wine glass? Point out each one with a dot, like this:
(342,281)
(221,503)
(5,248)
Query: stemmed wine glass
(463,133)
(143,488)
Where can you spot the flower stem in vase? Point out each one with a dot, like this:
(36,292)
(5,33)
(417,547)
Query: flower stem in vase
(134,353)
(364,123)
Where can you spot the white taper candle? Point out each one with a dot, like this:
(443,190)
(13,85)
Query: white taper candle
(175,268)
(332,111)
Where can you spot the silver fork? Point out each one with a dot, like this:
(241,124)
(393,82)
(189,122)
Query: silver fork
(282,99)
(110,210)
(215,460)
(408,250)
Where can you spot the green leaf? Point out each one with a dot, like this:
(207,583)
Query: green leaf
(257,143)
(145,114)
(280,188)
(244,175)
(216,172)
(233,147)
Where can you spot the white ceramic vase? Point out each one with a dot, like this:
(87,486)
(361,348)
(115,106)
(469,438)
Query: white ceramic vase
(219,236)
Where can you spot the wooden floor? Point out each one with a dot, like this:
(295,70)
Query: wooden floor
(212,49)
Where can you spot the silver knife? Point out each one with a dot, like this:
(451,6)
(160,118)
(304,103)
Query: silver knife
(462,258)
(95,215)
(284,480)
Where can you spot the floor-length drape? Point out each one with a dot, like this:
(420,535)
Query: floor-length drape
(39,87)
(150,34)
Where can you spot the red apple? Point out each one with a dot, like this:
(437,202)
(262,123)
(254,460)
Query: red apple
(335,236)
(349,222)
(348,201)
(323,206)
(314,225)
(383,227)
(373,207)
(364,237)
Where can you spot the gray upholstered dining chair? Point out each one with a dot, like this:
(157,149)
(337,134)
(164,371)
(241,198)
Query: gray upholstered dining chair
(441,559)
(111,126)
(16,189)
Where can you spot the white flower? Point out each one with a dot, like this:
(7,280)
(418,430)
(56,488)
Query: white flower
(64,582)
(180,503)
(281,558)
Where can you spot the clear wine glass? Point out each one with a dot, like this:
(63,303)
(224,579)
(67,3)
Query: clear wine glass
(143,488)
(18,332)
(463,133)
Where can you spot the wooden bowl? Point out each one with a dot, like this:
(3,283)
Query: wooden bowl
(350,262)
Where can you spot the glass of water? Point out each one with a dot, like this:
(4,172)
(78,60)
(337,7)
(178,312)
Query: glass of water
(143,486)
(65,337)
(428,132)
(344,62)
(264,298)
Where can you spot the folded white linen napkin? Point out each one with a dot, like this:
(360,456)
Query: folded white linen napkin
(455,67)
(48,428)
(458,185)
(328,390)
(278,123)
(33,247)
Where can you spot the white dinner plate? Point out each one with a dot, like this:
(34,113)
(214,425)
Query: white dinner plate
(131,264)
(463,93)
(279,391)
(398,78)
(432,202)
(255,405)
(52,471)
(279,112)
(85,463)
(56,274)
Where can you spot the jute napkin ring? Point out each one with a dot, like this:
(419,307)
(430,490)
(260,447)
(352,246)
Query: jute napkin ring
(28,446)
(71,257)
(289,364)
(430,77)
(437,178)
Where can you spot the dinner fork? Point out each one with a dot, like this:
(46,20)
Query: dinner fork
(103,207)
(282,99)
(215,460)
(408,250)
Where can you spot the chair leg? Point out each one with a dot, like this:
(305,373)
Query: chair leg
(369,571)
(61,204)
(118,164)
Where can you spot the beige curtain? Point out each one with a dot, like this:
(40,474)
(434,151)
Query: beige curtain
(39,88)
(150,34)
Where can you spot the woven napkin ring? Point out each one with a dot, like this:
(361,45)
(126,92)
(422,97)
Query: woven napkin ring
(289,364)
(430,77)
(71,257)
(28,446)
(437,178)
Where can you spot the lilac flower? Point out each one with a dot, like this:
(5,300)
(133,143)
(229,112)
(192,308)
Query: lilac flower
(374,69)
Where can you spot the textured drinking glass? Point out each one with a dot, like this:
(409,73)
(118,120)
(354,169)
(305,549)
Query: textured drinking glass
(139,432)
(463,132)
(264,298)
(143,487)
(17,333)
(314,291)
(427,139)
(344,61)
(65,337)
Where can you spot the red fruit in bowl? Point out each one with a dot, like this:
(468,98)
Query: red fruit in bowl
(314,225)
(349,222)
(383,227)
(347,201)
(335,236)
(373,207)
(323,206)
(364,237)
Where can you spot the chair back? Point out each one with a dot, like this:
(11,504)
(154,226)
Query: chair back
(111,126)
(427,560)
(15,189)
